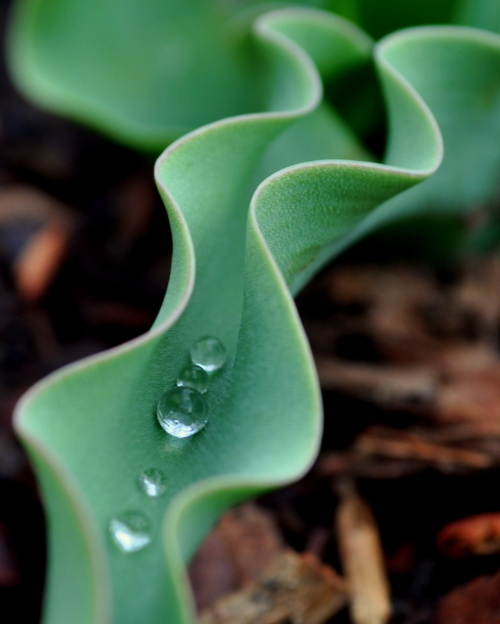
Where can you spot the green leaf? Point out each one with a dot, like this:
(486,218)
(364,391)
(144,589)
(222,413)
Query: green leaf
(382,18)
(479,13)
(142,71)
(147,71)
(239,251)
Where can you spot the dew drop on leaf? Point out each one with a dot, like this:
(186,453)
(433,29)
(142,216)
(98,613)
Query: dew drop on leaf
(193,377)
(208,353)
(182,412)
(153,482)
(131,531)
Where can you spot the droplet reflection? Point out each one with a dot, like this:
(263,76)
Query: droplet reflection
(131,531)
(209,353)
(182,412)
(153,482)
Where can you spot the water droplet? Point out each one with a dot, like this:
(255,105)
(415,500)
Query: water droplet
(193,377)
(182,412)
(209,353)
(152,482)
(131,531)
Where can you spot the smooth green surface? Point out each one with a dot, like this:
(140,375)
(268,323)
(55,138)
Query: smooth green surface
(479,13)
(143,71)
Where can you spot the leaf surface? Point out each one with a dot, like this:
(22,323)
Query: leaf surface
(143,71)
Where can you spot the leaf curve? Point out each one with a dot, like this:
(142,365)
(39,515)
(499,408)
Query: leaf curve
(91,427)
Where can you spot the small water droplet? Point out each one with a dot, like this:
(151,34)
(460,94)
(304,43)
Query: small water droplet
(131,531)
(182,412)
(208,353)
(152,482)
(193,377)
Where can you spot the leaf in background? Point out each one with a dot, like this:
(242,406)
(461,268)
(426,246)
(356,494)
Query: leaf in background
(147,71)
(142,71)
(463,93)
(479,13)
(381,17)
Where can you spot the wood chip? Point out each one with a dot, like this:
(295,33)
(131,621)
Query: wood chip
(475,535)
(472,396)
(478,295)
(362,558)
(376,285)
(399,444)
(26,202)
(296,589)
(41,257)
(338,463)
(240,547)
(389,387)
(465,431)
(478,602)
(40,260)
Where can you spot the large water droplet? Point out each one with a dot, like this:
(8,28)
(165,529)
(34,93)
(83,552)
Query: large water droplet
(193,377)
(131,531)
(209,353)
(182,412)
(152,482)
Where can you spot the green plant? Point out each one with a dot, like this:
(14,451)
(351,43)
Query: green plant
(247,234)
(146,72)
